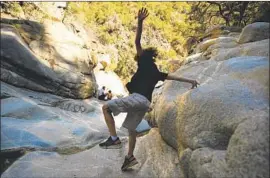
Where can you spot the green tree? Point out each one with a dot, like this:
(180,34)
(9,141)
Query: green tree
(229,13)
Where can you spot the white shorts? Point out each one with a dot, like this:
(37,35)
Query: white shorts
(135,105)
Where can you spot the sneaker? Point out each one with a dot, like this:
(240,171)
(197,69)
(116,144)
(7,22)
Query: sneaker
(129,161)
(110,144)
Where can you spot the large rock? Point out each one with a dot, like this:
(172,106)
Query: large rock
(254,32)
(96,162)
(222,45)
(224,122)
(258,48)
(156,157)
(76,106)
(246,144)
(62,47)
(220,40)
(17,80)
(45,121)
(42,120)
(249,148)
(234,34)
(195,57)
(206,162)
(219,31)
(17,58)
(28,30)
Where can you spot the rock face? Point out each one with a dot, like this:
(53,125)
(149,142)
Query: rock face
(150,150)
(63,48)
(195,57)
(253,41)
(220,121)
(45,121)
(220,129)
(97,162)
(46,73)
(219,31)
(220,40)
(254,32)
(258,48)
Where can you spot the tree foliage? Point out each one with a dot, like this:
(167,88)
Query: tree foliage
(229,13)
(169,24)
(166,28)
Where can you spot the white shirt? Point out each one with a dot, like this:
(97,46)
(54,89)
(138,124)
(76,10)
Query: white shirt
(101,92)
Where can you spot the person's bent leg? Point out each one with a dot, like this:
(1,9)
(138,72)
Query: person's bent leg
(109,120)
(113,142)
(130,160)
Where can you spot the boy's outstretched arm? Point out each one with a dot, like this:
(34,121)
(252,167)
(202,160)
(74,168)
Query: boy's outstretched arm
(142,14)
(181,79)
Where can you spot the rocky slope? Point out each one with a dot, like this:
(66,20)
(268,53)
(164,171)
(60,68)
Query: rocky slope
(49,53)
(37,120)
(33,121)
(221,128)
(44,55)
(97,162)
(47,73)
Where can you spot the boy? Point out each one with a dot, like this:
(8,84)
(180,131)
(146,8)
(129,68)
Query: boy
(109,95)
(137,103)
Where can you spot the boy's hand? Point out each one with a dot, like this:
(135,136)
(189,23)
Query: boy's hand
(194,84)
(142,14)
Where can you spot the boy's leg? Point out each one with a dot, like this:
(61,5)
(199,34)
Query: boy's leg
(115,106)
(113,141)
(131,122)
(136,106)
(131,142)
(130,160)
(109,120)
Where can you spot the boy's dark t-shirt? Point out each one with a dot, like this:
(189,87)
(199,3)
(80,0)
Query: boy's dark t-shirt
(145,78)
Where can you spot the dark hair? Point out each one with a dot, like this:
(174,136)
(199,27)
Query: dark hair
(148,54)
(110,91)
(103,87)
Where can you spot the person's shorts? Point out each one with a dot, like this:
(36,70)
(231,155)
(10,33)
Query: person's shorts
(135,105)
(101,97)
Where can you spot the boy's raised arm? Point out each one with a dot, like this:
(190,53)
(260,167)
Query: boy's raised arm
(142,14)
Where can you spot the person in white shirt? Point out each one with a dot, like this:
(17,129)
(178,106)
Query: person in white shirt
(102,93)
